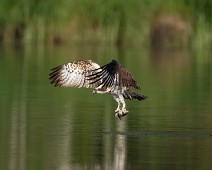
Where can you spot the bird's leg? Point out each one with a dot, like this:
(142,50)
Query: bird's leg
(121,109)
(116,97)
(119,104)
(124,110)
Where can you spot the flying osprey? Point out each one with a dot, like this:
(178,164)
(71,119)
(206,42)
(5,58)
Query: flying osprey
(111,78)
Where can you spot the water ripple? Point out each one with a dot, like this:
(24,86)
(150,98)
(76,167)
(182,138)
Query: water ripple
(142,134)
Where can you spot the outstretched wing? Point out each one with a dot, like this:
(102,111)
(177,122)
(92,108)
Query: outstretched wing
(74,74)
(112,74)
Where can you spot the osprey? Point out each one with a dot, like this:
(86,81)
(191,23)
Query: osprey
(111,78)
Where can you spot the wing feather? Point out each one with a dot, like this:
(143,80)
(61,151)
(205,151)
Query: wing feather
(112,74)
(74,74)
(88,74)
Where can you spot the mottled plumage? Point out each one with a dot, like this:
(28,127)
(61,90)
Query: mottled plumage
(111,78)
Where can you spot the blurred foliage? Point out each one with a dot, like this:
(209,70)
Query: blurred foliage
(112,21)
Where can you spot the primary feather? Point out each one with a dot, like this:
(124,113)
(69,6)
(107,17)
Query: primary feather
(74,74)
(111,74)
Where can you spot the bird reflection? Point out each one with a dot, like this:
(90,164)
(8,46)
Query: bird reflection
(120,155)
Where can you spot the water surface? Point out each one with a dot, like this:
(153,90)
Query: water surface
(43,127)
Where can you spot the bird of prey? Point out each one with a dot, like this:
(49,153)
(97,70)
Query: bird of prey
(111,78)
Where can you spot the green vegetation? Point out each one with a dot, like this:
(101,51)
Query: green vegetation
(108,22)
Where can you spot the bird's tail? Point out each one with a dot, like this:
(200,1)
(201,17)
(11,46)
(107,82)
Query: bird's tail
(128,94)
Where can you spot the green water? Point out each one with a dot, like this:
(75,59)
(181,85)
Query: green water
(48,128)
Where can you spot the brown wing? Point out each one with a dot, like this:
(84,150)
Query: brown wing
(111,74)
(74,74)
(126,78)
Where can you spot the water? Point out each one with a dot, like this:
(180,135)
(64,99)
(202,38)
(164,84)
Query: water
(48,128)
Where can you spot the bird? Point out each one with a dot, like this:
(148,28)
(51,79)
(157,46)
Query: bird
(112,78)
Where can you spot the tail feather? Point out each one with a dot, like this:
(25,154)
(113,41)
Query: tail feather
(128,94)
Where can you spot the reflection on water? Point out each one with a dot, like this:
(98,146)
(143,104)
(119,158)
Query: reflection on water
(120,155)
(42,127)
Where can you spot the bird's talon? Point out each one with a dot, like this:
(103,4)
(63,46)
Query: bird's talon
(124,114)
(117,110)
(118,115)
